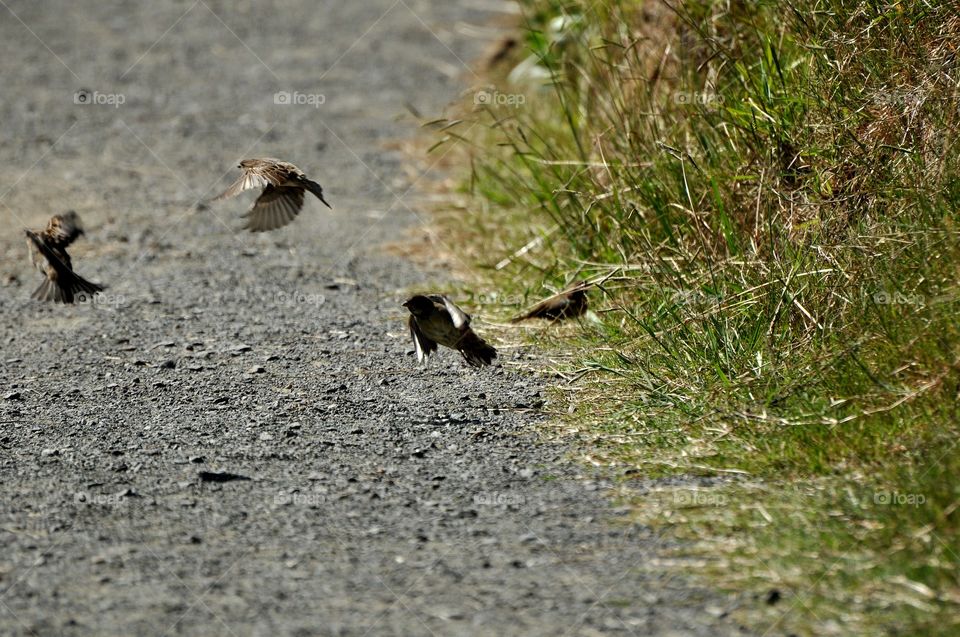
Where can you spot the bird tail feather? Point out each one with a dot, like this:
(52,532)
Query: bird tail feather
(69,288)
(317,191)
(476,351)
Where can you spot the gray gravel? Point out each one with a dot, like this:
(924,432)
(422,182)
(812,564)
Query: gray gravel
(236,439)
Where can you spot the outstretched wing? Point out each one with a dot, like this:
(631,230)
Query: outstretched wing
(247,181)
(62,284)
(423,344)
(45,258)
(461,320)
(275,208)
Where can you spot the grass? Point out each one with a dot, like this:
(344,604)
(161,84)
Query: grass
(769,192)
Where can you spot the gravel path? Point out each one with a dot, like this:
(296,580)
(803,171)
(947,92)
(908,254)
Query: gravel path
(369,496)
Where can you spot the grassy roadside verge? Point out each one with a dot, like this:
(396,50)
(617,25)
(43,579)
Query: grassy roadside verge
(770,192)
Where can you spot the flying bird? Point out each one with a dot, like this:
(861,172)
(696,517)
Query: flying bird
(570,303)
(48,251)
(282,196)
(436,319)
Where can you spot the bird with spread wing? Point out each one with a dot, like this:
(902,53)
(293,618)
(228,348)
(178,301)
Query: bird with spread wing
(48,251)
(436,319)
(281,199)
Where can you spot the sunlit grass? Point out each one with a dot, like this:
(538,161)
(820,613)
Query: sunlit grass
(770,193)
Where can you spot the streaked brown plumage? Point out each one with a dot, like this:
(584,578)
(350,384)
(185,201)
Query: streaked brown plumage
(282,197)
(48,251)
(570,303)
(436,319)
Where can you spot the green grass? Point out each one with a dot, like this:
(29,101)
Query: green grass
(770,193)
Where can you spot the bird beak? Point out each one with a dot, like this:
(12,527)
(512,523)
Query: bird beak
(325,203)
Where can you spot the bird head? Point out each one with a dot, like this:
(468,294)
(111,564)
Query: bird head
(419,305)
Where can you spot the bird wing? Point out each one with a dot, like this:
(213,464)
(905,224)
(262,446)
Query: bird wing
(54,261)
(260,174)
(247,181)
(461,320)
(36,256)
(275,208)
(423,344)
(62,284)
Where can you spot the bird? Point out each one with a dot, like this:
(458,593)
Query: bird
(436,319)
(282,196)
(48,252)
(570,303)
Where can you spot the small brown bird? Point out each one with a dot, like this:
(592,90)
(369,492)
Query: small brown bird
(436,319)
(570,303)
(48,251)
(283,192)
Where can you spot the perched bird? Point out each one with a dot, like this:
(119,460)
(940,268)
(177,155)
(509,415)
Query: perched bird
(436,319)
(283,192)
(48,251)
(570,303)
